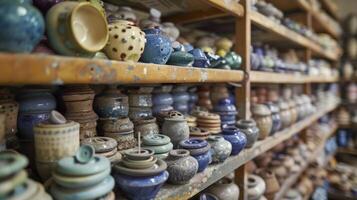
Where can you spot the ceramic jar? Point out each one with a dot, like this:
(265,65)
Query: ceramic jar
(272,184)
(180,98)
(200,150)
(104,146)
(176,127)
(53,142)
(256,187)
(160,144)
(157,48)
(22,31)
(198,133)
(193,98)
(275,116)
(181,166)
(236,137)
(199,58)
(224,189)
(162,99)
(179,57)
(262,116)
(76,29)
(220,148)
(250,129)
(111,104)
(227,112)
(126,41)
(285,114)
(218,92)
(45,5)
(204,97)
(140,102)
(10,109)
(146,126)
(293,111)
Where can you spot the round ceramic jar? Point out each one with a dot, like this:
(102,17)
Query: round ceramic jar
(275,116)
(136,113)
(224,189)
(126,140)
(140,100)
(220,148)
(181,166)
(200,150)
(272,184)
(250,129)
(175,126)
(285,114)
(293,111)
(111,104)
(236,137)
(146,126)
(121,124)
(262,116)
(256,187)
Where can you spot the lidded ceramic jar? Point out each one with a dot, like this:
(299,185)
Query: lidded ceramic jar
(162,99)
(181,166)
(160,144)
(140,175)
(256,187)
(200,150)
(104,146)
(250,129)
(180,98)
(275,116)
(199,58)
(146,126)
(83,176)
(220,148)
(224,189)
(236,137)
(198,133)
(208,122)
(126,41)
(76,29)
(175,126)
(285,114)
(262,117)
(22,31)
(111,104)
(10,108)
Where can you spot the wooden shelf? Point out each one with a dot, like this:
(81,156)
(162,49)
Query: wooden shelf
(331,7)
(58,70)
(347,151)
(321,24)
(270,77)
(217,171)
(294,5)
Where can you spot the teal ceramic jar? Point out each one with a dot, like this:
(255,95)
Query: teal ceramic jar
(220,148)
(76,29)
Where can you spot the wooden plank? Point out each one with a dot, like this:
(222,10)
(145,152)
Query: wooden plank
(194,16)
(217,171)
(321,24)
(231,7)
(290,5)
(331,7)
(58,70)
(270,77)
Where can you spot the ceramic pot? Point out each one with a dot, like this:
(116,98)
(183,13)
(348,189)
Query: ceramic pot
(272,184)
(140,100)
(121,124)
(78,99)
(233,60)
(126,140)
(224,189)
(275,116)
(180,58)
(220,148)
(176,127)
(236,137)
(111,104)
(285,114)
(136,113)
(200,59)
(157,48)
(200,150)
(22,31)
(256,187)
(45,5)
(293,111)
(126,41)
(10,109)
(218,92)
(96,3)
(159,144)
(170,30)
(262,116)
(181,166)
(76,29)
(180,98)
(250,129)
(146,126)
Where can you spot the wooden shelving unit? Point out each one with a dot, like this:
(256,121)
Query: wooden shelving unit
(270,77)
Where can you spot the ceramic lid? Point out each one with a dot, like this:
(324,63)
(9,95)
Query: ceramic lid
(101,144)
(156,139)
(260,110)
(157,168)
(11,163)
(193,143)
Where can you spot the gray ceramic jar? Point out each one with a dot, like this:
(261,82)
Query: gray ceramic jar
(175,126)
(181,166)
(220,148)
(250,129)
(146,126)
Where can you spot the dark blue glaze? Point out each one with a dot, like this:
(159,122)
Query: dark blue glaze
(140,188)
(162,99)
(228,117)
(111,104)
(180,58)
(181,97)
(26,122)
(193,143)
(22,26)
(157,48)
(236,137)
(181,107)
(200,59)
(225,105)
(203,160)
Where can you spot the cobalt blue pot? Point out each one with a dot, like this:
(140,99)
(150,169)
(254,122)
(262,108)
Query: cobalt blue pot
(274,109)
(22,26)
(203,160)
(236,137)
(140,188)
(228,117)
(162,99)
(181,97)
(224,105)
(111,104)
(200,59)
(200,150)
(26,122)
(181,107)
(157,48)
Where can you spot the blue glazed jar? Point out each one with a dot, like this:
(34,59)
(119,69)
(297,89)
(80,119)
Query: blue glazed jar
(200,150)
(342,139)
(180,98)
(157,48)
(200,59)
(203,160)
(111,104)
(275,115)
(236,137)
(162,99)
(22,26)
(225,105)
(141,188)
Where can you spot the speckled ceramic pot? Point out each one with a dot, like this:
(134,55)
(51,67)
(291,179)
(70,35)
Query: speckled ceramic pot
(256,187)
(262,116)
(220,148)
(175,126)
(236,137)
(250,129)
(285,114)
(126,41)
(224,189)
(146,126)
(200,150)
(126,140)
(121,124)
(181,166)
(111,104)
(10,109)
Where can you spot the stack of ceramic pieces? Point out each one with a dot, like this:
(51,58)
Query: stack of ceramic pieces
(227,112)
(120,129)
(14,183)
(140,102)
(191,121)
(83,176)
(160,144)
(204,97)
(104,146)
(198,133)
(139,174)
(9,107)
(180,97)
(78,101)
(209,122)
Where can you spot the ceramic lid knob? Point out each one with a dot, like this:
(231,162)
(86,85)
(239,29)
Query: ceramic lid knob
(57,118)
(85,154)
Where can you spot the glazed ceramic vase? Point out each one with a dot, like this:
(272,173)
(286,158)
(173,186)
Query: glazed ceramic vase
(146,126)
(21,31)
(220,148)
(157,48)
(83,176)
(10,108)
(271,182)
(126,41)
(176,127)
(275,116)
(104,146)
(200,150)
(181,166)
(162,99)
(250,129)
(224,189)
(45,5)
(180,58)
(227,112)
(160,144)
(140,175)
(256,187)
(180,98)
(236,137)
(140,102)
(111,104)
(262,116)
(76,29)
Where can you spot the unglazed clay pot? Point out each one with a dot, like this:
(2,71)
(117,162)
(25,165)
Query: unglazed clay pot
(176,127)
(236,137)
(181,166)
(126,41)
(146,126)
(111,104)
(157,48)
(224,189)
(256,187)
(76,29)
(220,148)
(262,116)
(250,129)
(272,184)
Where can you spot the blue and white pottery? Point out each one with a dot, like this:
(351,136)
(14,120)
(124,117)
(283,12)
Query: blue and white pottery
(274,109)
(254,61)
(200,59)
(342,138)
(224,105)
(22,26)
(111,104)
(236,137)
(220,148)
(157,48)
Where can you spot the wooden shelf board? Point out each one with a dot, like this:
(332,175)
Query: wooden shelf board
(58,70)
(331,7)
(270,77)
(232,7)
(320,24)
(347,151)
(291,5)
(217,171)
